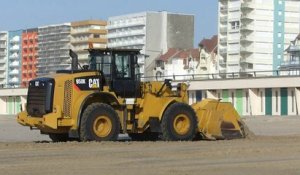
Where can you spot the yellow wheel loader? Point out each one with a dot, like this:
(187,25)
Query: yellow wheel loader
(106,98)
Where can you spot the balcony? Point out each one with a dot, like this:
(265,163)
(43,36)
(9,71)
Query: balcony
(248,5)
(248,16)
(224,19)
(223,40)
(127,33)
(224,9)
(3,38)
(15,39)
(15,48)
(222,71)
(14,72)
(248,49)
(233,51)
(14,80)
(223,50)
(294,49)
(233,8)
(14,56)
(247,27)
(223,29)
(247,38)
(2,54)
(2,45)
(14,64)
(127,24)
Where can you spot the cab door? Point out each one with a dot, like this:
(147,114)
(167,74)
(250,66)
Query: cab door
(124,82)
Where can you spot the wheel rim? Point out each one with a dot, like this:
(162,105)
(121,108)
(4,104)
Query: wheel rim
(181,124)
(102,126)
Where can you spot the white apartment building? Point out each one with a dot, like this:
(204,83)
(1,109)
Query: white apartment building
(208,62)
(178,64)
(253,34)
(85,34)
(54,45)
(14,48)
(3,57)
(291,63)
(152,32)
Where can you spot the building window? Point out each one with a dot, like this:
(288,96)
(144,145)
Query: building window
(279,13)
(279,23)
(280,2)
(279,57)
(279,34)
(278,45)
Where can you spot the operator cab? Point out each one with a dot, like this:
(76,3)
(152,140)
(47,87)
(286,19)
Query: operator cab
(119,68)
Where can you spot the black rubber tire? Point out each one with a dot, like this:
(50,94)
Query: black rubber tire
(147,136)
(168,130)
(89,116)
(59,137)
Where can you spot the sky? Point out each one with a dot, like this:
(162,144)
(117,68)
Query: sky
(23,14)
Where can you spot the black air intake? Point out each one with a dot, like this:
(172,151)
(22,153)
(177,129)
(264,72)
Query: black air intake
(40,97)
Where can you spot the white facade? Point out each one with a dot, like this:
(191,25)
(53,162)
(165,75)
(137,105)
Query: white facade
(3,57)
(129,32)
(207,64)
(84,33)
(54,45)
(152,32)
(254,33)
(14,48)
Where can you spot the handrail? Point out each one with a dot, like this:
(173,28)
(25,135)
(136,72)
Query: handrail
(205,77)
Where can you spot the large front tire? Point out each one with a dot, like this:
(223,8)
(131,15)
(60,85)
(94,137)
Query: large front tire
(179,123)
(99,122)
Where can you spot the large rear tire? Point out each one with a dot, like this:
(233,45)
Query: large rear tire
(99,122)
(179,123)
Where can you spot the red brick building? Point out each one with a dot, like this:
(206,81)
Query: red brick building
(29,55)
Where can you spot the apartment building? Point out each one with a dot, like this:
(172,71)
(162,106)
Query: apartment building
(253,34)
(208,62)
(3,57)
(151,32)
(29,55)
(85,34)
(178,63)
(291,63)
(14,58)
(54,44)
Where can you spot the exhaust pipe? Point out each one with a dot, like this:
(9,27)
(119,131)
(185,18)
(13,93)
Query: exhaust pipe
(74,57)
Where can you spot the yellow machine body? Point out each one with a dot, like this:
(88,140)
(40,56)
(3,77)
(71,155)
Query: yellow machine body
(216,120)
(159,108)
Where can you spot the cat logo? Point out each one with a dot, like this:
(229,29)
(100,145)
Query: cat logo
(94,83)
